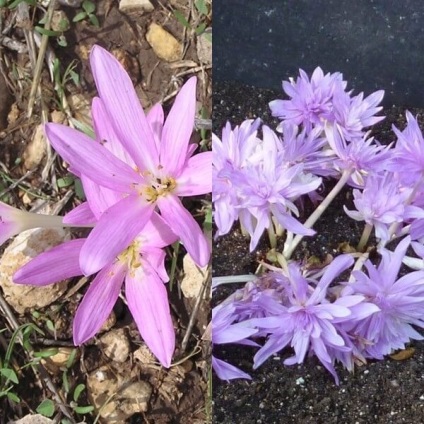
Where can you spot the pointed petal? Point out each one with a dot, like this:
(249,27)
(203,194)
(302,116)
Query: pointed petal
(184,225)
(157,232)
(178,127)
(105,133)
(156,258)
(196,177)
(90,158)
(116,229)
(155,119)
(226,371)
(80,215)
(124,109)
(148,302)
(57,264)
(98,302)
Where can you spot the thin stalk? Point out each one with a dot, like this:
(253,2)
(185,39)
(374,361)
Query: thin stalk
(272,236)
(364,237)
(320,210)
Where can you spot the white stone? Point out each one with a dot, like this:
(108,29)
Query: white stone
(36,149)
(25,247)
(194,278)
(204,47)
(136,6)
(33,419)
(116,345)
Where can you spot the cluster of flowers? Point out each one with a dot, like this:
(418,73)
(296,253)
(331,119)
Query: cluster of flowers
(133,174)
(367,315)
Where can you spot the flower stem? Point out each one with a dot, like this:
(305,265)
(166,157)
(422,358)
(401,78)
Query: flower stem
(272,236)
(364,238)
(320,210)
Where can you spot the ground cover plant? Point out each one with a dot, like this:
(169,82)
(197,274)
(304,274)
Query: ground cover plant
(115,338)
(347,309)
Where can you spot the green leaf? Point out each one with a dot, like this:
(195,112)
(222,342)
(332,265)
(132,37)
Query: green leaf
(75,77)
(200,29)
(18,2)
(10,375)
(79,189)
(88,6)
(65,381)
(13,397)
(84,409)
(201,7)
(46,408)
(93,19)
(46,353)
(65,182)
(181,19)
(3,3)
(79,16)
(71,359)
(48,32)
(207,223)
(78,390)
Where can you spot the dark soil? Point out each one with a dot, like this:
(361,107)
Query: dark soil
(383,392)
(180,393)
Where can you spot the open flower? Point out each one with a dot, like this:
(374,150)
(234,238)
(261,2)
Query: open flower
(401,304)
(141,265)
(380,204)
(157,166)
(310,99)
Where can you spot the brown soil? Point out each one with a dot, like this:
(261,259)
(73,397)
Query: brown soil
(386,391)
(180,394)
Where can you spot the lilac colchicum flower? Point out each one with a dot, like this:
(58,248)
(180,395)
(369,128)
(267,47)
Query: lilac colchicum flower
(310,99)
(156,166)
(224,330)
(380,204)
(229,155)
(400,302)
(309,320)
(141,265)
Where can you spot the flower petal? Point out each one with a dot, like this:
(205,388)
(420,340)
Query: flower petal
(196,177)
(80,215)
(124,109)
(91,159)
(155,119)
(116,229)
(57,264)
(157,233)
(227,371)
(184,225)
(148,302)
(178,128)
(98,302)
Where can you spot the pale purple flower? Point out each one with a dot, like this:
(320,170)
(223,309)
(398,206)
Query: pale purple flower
(353,114)
(229,154)
(408,153)
(360,156)
(309,322)
(268,188)
(157,166)
(401,304)
(224,330)
(310,99)
(141,265)
(380,204)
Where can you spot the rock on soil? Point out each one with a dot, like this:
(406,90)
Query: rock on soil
(25,247)
(115,345)
(165,45)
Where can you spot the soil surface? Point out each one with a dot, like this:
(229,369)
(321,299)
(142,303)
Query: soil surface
(383,392)
(180,394)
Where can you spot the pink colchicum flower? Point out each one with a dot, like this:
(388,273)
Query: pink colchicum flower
(156,169)
(141,265)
